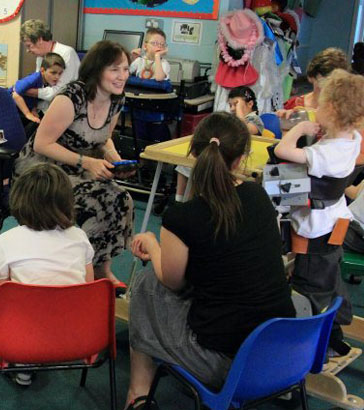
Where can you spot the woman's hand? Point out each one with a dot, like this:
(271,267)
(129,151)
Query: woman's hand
(143,244)
(99,168)
(124,175)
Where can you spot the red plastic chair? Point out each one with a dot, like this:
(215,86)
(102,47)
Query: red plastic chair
(58,328)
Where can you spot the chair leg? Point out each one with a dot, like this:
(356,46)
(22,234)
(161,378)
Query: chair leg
(184,382)
(303,395)
(159,373)
(112,383)
(83,377)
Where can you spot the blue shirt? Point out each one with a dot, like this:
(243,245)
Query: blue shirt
(33,80)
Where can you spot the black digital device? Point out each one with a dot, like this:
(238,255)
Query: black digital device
(124,166)
(128,39)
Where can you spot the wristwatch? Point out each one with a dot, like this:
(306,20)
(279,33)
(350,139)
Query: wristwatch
(79,162)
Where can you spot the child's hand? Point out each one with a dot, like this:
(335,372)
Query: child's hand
(135,53)
(31,117)
(284,113)
(161,52)
(309,128)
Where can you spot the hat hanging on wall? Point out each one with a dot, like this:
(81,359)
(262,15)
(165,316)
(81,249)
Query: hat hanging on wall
(291,22)
(239,29)
(279,5)
(261,6)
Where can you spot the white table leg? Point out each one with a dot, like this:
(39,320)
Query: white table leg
(151,197)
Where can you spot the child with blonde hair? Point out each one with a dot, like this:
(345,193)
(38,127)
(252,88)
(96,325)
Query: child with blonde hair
(151,65)
(340,113)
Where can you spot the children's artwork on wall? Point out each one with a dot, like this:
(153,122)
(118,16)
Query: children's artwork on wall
(3,64)
(195,9)
(187,32)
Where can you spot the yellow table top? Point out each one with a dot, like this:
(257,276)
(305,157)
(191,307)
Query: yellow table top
(174,152)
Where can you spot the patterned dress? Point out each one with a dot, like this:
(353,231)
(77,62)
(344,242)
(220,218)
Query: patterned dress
(104,209)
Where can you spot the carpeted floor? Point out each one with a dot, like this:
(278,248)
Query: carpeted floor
(60,390)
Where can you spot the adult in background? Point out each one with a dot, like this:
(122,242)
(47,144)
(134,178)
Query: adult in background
(75,133)
(321,65)
(217,272)
(38,40)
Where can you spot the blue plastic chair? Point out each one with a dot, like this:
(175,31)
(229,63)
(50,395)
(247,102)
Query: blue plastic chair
(273,359)
(10,122)
(271,122)
(14,134)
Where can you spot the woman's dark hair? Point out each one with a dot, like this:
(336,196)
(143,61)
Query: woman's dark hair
(42,198)
(247,94)
(101,55)
(211,176)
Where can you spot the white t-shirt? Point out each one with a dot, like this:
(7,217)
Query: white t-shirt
(332,157)
(55,257)
(138,68)
(72,61)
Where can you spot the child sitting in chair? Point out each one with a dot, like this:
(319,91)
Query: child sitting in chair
(243,104)
(151,65)
(50,72)
(317,269)
(46,249)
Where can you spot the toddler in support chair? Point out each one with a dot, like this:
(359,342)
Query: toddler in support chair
(317,273)
(151,65)
(148,63)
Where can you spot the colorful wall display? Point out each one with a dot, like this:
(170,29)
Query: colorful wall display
(195,9)
(3,64)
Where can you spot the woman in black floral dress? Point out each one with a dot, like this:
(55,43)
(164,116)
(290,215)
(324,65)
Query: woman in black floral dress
(76,134)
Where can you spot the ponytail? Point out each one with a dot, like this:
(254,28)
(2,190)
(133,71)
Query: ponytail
(218,141)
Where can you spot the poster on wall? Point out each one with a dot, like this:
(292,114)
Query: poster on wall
(187,32)
(3,64)
(195,9)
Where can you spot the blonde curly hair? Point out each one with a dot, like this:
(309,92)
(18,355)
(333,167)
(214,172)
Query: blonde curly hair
(345,93)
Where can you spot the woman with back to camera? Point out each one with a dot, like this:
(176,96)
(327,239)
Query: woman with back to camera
(76,134)
(217,272)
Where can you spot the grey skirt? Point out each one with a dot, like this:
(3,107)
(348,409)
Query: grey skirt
(158,327)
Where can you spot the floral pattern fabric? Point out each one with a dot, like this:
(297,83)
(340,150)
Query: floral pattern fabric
(104,209)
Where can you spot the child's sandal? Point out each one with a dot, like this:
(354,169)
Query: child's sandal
(139,403)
